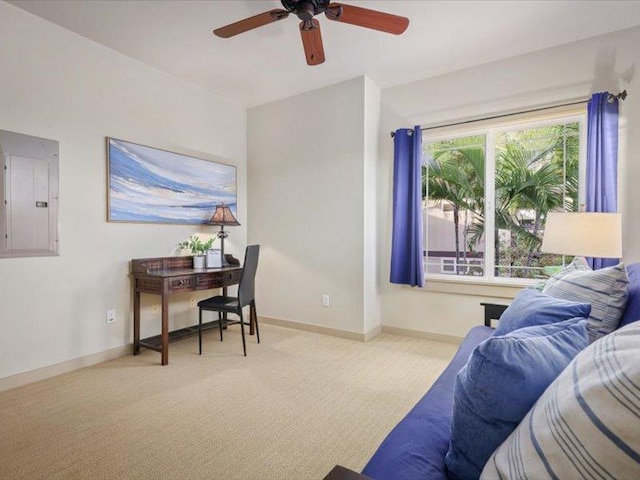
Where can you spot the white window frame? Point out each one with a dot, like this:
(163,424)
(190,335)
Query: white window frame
(447,263)
(491,129)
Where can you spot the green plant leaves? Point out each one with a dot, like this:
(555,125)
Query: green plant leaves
(197,246)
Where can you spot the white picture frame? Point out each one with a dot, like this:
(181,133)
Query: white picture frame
(214,258)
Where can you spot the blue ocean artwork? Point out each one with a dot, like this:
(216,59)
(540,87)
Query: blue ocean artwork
(150,185)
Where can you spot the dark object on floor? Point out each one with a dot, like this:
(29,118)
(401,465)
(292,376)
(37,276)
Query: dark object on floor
(246,296)
(340,473)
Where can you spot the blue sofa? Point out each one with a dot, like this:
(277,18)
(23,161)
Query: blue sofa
(416,447)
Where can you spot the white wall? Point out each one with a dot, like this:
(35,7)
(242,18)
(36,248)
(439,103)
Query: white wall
(371,314)
(551,76)
(311,184)
(58,85)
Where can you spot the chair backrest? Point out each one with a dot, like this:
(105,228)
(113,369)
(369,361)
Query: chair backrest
(246,289)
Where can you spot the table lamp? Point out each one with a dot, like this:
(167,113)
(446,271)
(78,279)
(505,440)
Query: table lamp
(583,234)
(223,216)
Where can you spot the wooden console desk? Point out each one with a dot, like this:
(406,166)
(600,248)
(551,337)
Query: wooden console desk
(165,276)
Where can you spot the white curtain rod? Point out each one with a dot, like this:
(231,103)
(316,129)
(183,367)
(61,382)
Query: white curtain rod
(611,98)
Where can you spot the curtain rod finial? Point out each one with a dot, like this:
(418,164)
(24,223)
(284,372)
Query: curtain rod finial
(409,132)
(620,96)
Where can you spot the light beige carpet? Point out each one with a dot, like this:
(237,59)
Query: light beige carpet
(298,404)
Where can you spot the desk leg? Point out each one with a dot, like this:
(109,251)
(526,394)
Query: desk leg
(165,329)
(136,322)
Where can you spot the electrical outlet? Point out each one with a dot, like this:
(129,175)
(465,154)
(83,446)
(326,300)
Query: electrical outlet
(192,302)
(325,300)
(111,316)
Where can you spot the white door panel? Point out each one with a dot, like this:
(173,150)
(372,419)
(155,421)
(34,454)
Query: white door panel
(27,183)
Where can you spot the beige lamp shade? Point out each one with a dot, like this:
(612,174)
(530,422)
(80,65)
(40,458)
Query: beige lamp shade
(583,234)
(223,216)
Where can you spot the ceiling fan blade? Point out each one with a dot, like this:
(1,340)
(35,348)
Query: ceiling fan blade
(312,42)
(251,23)
(363,17)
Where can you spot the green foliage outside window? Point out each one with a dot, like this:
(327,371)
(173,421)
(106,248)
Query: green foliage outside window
(536,171)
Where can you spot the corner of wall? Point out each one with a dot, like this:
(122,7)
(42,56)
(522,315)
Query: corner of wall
(371,122)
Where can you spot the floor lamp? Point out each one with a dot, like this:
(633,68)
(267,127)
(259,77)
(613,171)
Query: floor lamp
(583,234)
(223,217)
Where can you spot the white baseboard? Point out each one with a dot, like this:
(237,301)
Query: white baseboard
(374,332)
(436,337)
(335,332)
(63,367)
(361,337)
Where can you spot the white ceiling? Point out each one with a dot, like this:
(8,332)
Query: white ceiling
(268,63)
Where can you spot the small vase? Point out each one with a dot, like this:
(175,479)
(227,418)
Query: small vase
(198,261)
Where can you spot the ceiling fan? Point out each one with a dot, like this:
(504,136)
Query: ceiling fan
(305,10)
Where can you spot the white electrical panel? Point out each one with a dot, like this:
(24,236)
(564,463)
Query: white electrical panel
(29,194)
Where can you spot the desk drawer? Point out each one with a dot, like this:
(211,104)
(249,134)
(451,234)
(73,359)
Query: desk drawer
(181,284)
(205,281)
(233,277)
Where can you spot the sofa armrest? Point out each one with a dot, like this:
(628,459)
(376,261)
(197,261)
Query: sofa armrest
(492,311)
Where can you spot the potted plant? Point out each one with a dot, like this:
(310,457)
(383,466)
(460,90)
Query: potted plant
(198,248)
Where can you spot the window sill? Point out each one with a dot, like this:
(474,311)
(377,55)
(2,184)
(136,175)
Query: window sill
(505,288)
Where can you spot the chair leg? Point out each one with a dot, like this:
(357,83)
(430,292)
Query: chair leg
(220,324)
(199,331)
(244,345)
(254,315)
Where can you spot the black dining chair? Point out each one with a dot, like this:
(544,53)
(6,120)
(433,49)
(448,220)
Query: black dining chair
(246,296)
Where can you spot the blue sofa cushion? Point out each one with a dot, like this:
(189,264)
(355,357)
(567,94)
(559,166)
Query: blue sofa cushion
(531,307)
(504,377)
(415,448)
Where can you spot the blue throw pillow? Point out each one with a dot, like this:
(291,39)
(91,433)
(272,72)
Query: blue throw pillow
(503,378)
(532,307)
(606,289)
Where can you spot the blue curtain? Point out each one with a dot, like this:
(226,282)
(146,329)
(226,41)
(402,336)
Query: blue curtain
(602,161)
(407,243)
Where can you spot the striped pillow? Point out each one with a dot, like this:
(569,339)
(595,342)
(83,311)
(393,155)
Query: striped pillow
(586,424)
(606,290)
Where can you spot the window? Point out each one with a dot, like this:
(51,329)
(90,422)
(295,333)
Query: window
(487,191)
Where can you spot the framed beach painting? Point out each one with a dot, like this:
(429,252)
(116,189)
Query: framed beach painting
(147,185)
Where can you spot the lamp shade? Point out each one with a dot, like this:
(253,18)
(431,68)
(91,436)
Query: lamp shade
(223,216)
(584,234)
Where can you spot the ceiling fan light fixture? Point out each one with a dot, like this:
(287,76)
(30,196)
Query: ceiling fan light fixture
(306,11)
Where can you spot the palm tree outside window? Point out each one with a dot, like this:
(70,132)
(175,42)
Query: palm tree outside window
(494,187)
